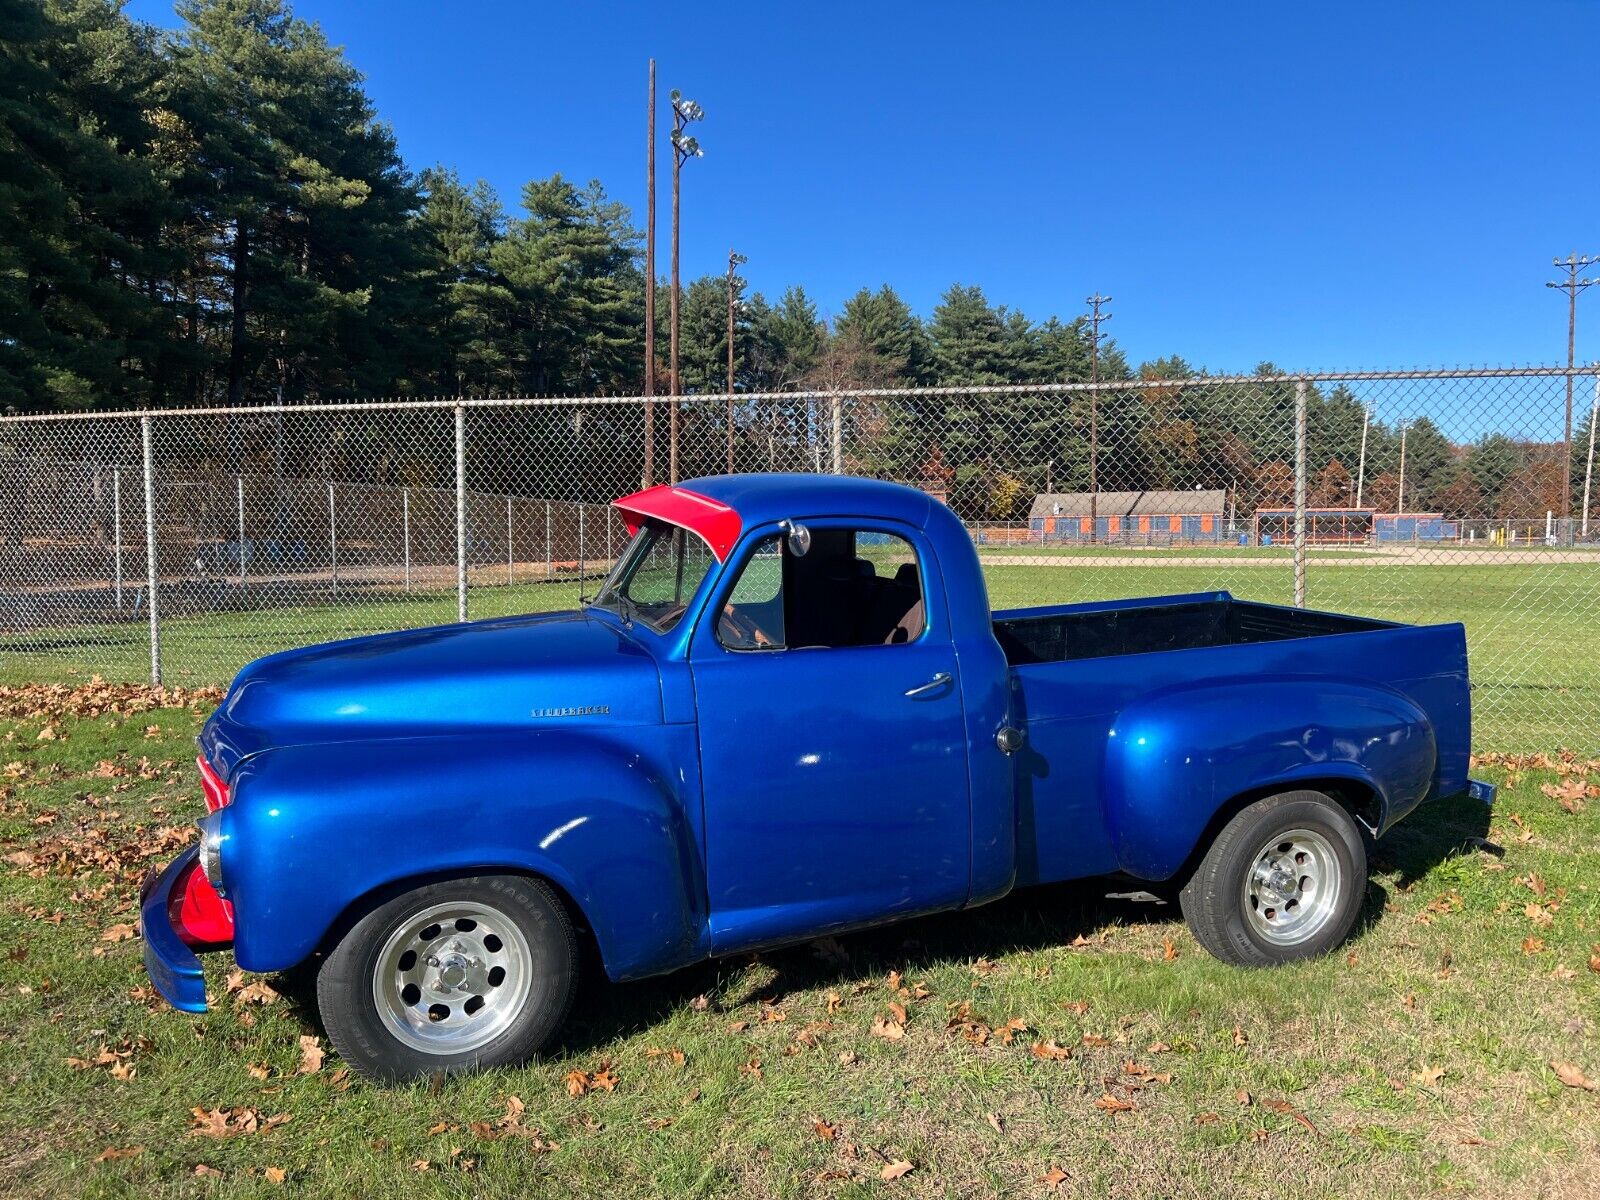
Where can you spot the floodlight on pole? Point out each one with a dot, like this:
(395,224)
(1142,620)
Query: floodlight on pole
(684,147)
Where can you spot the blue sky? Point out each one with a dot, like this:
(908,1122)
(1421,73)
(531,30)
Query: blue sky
(1331,186)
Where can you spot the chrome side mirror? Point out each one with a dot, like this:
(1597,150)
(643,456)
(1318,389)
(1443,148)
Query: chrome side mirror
(799,537)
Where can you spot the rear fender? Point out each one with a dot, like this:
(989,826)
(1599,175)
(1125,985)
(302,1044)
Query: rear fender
(1174,759)
(314,830)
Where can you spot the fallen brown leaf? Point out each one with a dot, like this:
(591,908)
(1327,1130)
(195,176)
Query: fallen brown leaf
(1429,1077)
(311,1054)
(1571,1075)
(896,1170)
(889,1030)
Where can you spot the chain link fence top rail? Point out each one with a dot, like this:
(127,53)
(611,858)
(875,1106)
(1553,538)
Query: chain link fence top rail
(183,544)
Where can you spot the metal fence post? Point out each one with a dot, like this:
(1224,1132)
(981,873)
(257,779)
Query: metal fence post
(1300,494)
(333,543)
(243,568)
(405,532)
(549,565)
(508,541)
(116,531)
(152,604)
(580,545)
(461,513)
(838,434)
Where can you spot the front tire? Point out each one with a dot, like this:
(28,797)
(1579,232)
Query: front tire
(452,976)
(1283,881)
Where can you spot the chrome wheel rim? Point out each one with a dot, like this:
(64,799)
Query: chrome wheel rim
(452,977)
(1292,887)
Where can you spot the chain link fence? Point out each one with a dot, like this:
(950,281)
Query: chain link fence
(180,545)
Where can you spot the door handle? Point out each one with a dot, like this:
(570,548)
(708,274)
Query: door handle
(934,684)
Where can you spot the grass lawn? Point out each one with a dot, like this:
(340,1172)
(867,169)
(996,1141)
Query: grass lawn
(1415,1061)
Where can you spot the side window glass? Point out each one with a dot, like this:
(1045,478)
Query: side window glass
(855,588)
(753,617)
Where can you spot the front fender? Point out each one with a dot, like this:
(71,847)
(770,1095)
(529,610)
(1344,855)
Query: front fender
(1174,758)
(314,829)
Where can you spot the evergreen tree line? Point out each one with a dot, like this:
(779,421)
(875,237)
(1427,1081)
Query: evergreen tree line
(216,215)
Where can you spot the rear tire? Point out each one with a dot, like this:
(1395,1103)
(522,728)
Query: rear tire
(452,976)
(1284,881)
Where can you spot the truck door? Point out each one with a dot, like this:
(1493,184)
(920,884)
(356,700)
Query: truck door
(832,741)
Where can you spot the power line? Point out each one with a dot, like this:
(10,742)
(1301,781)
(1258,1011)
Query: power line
(1572,285)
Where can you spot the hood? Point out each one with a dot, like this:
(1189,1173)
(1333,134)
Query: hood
(511,674)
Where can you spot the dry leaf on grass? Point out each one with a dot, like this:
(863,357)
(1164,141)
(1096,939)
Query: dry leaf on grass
(112,1153)
(1051,1052)
(602,1080)
(825,1131)
(1055,1177)
(1284,1108)
(1428,1077)
(1572,1076)
(1113,1104)
(889,1030)
(311,1054)
(897,1169)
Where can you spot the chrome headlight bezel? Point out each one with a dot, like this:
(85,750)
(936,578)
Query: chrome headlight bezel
(211,840)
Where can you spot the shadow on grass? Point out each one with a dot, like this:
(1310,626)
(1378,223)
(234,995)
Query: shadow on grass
(1437,832)
(1032,919)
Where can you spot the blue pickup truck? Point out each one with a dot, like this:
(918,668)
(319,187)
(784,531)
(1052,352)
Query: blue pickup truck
(787,712)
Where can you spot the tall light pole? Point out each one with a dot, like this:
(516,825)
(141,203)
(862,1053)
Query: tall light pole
(684,147)
(1096,317)
(1400,500)
(1572,285)
(1361,471)
(650,287)
(734,260)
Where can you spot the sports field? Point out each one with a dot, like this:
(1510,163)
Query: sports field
(1533,625)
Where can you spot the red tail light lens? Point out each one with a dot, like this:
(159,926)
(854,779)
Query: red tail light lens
(211,783)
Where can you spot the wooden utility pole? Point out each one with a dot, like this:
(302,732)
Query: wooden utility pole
(1096,318)
(734,259)
(684,147)
(1572,285)
(650,287)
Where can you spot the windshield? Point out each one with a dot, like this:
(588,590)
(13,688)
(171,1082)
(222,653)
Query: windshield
(656,576)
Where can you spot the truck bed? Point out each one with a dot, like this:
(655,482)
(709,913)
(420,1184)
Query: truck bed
(1121,733)
(1169,623)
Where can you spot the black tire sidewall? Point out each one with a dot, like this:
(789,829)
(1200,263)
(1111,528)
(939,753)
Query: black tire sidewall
(1220,897)
(345,994)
